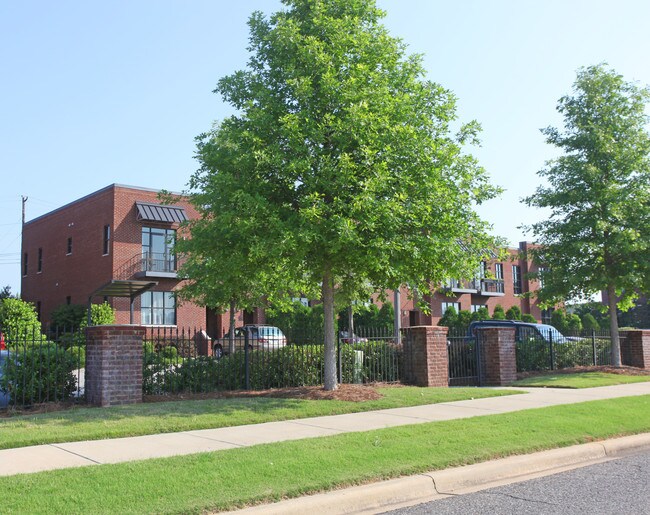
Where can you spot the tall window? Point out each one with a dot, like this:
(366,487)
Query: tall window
(541,270)
(107,240)
(516,279)
(69,249)
(546,315)
(40,260)
(25,260)
(498,271)
(157,249)
(158,308)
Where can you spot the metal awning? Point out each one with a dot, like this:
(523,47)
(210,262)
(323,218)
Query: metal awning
(160,213)
(116,288)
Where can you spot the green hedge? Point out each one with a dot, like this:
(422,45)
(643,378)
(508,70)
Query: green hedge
(535,355)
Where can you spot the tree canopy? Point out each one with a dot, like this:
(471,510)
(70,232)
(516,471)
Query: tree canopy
(598,235)
(339,172)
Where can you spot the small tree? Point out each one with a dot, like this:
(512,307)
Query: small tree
(449,318)
(498,313)
(589,323)
(559,320)
(481,313)
(598,235)
(5,293)
(527,317)
(573,322)
(464,319)
(513,313)
(19,320)
(69,317)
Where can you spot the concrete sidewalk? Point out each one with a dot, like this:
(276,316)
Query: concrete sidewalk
(76,454)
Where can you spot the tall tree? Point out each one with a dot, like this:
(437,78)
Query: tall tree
(339,171)
(597,237)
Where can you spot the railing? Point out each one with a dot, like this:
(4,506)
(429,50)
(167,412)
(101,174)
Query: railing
(494,286)
(158,262)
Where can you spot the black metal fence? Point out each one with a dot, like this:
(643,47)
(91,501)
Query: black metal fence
(39,367)
(258,360)
(464,357)
(553,351)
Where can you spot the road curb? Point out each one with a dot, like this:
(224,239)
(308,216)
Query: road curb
(397,493)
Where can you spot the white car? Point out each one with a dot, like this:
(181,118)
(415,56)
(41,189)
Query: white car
(256,336)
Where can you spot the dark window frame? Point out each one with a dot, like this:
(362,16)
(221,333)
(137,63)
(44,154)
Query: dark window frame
(517,286)
(69,247)
(106,249)
(39,266)
(156,307)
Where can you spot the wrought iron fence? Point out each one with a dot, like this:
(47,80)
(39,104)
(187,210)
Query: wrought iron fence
(464,357)
(38,367)
(177,361)
(552,351)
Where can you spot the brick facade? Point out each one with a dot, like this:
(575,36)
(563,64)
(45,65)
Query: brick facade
(498,355)
(635,348)
(114,365)
(425,356)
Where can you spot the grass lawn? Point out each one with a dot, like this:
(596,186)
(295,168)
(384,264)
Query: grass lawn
(233,478)
(580,380)
(165,417)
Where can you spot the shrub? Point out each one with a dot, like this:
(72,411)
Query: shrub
(559,321)
(498,313)
(527,317)
(589,323)
(37,373)
(574,324)
(68,317)
(19,322)
(513,313)
(481,313)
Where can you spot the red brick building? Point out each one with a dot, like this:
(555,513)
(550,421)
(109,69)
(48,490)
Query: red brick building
(114,245)
(497,282)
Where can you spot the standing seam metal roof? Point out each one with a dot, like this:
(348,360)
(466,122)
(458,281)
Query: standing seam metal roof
(160,213)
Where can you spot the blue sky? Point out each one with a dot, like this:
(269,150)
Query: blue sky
(93,93)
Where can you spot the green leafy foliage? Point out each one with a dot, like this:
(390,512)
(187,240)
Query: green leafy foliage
(68,317)
(481,313)
(527,317)
(513,313)
(40,372)
(498,313)
(597,237)
(589,322)
(339,174)
(19,321)
(559,320)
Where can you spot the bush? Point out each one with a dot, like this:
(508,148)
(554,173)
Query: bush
(527,317)
(19,322)
(589,323)
(37,373)
(68,317)
(513,313)
(498,313)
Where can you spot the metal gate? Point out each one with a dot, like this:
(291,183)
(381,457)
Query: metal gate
(464,355)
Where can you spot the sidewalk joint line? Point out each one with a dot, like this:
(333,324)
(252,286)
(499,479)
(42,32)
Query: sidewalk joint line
(76,454)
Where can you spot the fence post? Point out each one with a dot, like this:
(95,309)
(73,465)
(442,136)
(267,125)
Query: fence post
(550,342)
(247,364)
(593,346)
(338,356)
(426,362)
(635,348)
(498,355)
(114,364)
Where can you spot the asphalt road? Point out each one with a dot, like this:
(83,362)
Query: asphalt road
(620,487)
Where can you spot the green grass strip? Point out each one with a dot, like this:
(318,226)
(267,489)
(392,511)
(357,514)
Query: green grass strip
(580,380)
(166,417)
(233,478)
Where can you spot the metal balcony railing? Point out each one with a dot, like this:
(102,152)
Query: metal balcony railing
(158,262)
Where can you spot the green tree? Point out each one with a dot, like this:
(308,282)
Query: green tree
(481,313)
(449,318)
(68,317)
(5,293)
(573,322)
(498,313)
(527,317)
(19,320)
(465,318)
(597,237)
(589,323)
(340,169)
(559,320)
(513,313)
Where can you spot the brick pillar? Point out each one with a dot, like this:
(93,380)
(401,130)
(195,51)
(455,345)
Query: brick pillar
(498,355)
(114,364)
(425,356)
(635,348)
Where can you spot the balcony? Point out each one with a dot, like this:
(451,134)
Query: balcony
(457,286)
(492,288)
(152,264)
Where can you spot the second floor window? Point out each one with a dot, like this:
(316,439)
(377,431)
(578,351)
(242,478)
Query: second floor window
(107,240)
(40,260)
(157,249)
(25,260)
(69,248)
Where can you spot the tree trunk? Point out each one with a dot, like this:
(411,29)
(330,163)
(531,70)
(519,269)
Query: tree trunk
(231,333)
(327,294)
(613,326)
(350,323)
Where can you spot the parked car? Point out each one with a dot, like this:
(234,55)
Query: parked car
(256,336)
(524,331)
(3,345)
(344,337)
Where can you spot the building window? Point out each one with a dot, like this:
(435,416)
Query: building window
(158,308)
(516,279)
(498,271)
(476,307)
(40,260)
(107,240)
(546,315)
(446,305)
(541,271)
(68,300)
(158,249)
(69,250)
(25,260)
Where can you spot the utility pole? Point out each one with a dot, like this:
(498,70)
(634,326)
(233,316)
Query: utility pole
(24,202)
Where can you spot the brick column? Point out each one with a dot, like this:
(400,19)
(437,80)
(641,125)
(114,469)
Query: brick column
(498,355)
(114,364)
(635,348)
(425,356)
